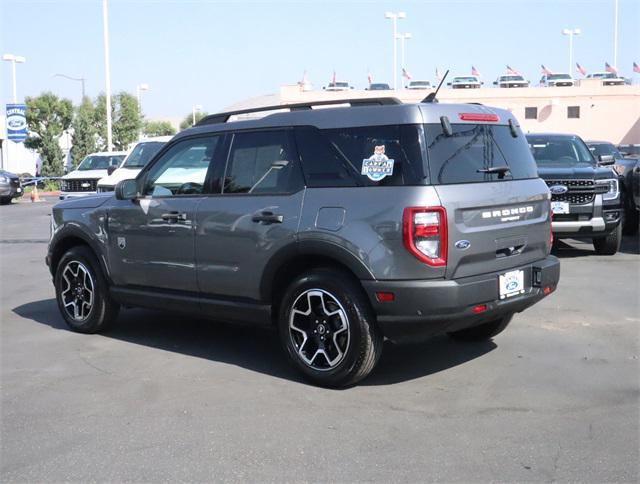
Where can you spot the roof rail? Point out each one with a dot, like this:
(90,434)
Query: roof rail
(373,101)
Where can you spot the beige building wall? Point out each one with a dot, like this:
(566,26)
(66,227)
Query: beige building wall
(610,113)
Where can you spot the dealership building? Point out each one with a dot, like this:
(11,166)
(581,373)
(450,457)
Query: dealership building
(590,110)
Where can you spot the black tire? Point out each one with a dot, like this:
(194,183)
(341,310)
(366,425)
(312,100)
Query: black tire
(482,332)
(610,244)
(78,270)
(350,329)
(5,200)
(631,219)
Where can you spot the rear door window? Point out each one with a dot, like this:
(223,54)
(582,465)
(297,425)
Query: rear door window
(462,157)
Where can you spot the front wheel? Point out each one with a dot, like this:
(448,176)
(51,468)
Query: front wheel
(82,292)
(5,200)
(483,331)
(609,244)
(328,330)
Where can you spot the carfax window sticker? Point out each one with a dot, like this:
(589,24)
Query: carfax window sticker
(378,165)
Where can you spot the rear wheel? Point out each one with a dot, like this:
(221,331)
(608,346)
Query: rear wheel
(82,292)
(609,244)
(5,200)
(483,331)
(328,330)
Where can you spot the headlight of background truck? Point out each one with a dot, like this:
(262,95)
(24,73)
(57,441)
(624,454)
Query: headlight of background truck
(613,191)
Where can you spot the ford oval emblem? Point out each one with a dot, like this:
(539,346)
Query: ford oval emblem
(512,285)
(462,244)
(558,189)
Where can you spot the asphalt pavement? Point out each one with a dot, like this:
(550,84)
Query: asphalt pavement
(166,398)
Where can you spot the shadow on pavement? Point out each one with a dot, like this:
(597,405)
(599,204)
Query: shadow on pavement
(630,245)
(258,349)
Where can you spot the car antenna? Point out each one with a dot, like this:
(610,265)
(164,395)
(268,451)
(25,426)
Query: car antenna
(431,97)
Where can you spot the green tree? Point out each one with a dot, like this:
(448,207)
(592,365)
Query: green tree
(125,117)
(84,131)
(158,128)
(187,122)
(48,117)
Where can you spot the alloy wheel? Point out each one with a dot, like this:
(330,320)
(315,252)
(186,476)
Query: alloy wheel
(77,295)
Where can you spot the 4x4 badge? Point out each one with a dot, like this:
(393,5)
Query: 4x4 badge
(378,165)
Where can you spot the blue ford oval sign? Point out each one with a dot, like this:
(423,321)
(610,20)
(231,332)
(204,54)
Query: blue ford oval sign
(462,244)
(558,189)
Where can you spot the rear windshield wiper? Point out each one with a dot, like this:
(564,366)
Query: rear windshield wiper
(500,170)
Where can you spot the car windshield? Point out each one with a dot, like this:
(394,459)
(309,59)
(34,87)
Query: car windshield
(142,153)
(379,87)
(559,150)
(338,84)
(554,77)
(420,83)
(100,162)
(465,79)
(599,149)
(511,78)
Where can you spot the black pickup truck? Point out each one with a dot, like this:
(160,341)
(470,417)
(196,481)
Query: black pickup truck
(585,191)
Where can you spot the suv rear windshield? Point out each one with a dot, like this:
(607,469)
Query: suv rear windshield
(460,158)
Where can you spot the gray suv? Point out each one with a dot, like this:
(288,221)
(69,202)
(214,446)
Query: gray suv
(339,227)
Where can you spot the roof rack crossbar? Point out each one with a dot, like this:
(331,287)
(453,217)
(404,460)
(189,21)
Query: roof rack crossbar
(224,117)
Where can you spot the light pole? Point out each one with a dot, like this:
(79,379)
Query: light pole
(571,33)
(140,87)
(196,108)
(14,59)
(394,16)
(79,79)
(107,73)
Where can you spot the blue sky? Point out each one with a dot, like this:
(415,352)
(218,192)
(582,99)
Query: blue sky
(216,53)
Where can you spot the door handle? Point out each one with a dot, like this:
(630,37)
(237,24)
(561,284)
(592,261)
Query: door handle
(174,217)
(267,218)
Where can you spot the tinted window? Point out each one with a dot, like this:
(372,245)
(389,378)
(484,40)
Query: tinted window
(182,169)
(549,149)
(262,162)
(474,147)
(599,149)
(142,153)
(322,165)
(397,150)
(573,112)
(531,113)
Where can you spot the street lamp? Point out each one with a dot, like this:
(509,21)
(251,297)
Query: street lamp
(107,73)
(79,79)
(394,16)
(139,88)
(196,108)
(402,38)
(14,59)
(571,33)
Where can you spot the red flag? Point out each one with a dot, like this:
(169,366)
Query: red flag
(636,68)
(545,71)
(369,78)
(512,71)
(609,68)
(475,72)
(581,69)
(406,74)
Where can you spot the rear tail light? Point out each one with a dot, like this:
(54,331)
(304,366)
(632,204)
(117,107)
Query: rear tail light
(424,232)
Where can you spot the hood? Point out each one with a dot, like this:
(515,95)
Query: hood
(119,175)
(581,171)
(85,174)
(91,201)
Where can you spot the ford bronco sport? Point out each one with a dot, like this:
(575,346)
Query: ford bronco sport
(337,226)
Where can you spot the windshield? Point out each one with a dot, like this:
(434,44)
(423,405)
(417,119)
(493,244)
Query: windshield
(379,87)
(338,84)
(100,162)
(142,153)
(465,79)
(554,77)
(512,78)
(559,149)
(419,83)
(599,149)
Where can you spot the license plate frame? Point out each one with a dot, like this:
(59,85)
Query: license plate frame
(511,284)
(560,208)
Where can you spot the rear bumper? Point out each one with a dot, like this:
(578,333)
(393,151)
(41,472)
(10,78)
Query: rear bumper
(425,308)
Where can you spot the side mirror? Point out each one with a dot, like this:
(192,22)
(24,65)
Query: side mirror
(126,190)
(606,160)
(111,169)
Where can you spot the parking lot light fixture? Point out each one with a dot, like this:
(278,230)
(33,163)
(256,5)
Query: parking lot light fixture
(402,38)
(571,33)
(14,59)
(394,16)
